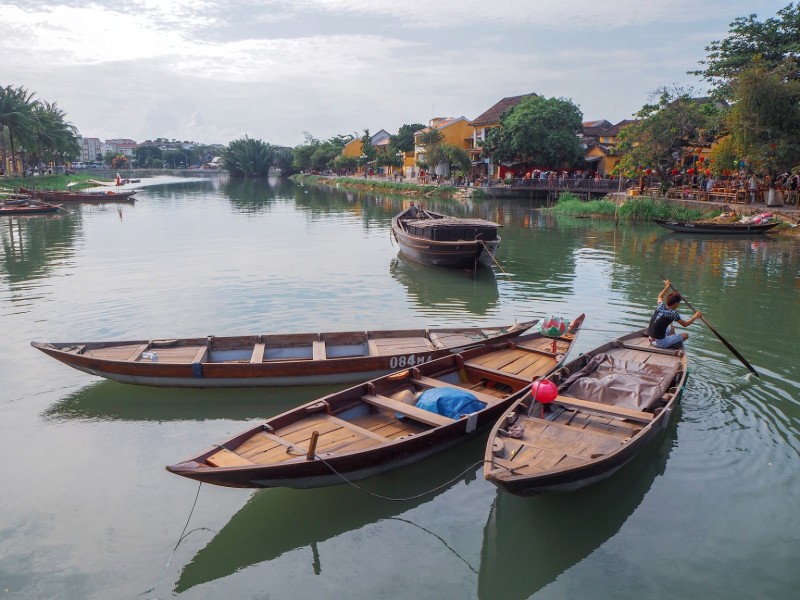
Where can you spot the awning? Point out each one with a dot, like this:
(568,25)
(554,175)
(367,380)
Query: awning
(592,159)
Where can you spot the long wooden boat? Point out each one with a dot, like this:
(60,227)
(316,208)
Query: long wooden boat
(611,402)
(67,196)
(440,241)
(382,424)
(271,360)
(27,208)
(724,228)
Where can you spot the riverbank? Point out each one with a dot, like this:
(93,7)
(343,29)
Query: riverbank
(372,184)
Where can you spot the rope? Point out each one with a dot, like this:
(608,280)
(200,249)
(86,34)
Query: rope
(415,497)
(183,536)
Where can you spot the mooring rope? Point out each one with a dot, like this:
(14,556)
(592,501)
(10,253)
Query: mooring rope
(183,536)
(416,496)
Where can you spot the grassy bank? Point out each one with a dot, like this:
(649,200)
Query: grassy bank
(51,182)
(633,209)
(378,185)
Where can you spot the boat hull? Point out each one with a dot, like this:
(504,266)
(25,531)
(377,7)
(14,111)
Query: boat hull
(284,360)
(370,429)
(720,228)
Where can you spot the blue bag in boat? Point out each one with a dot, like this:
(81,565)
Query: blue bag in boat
(449,402)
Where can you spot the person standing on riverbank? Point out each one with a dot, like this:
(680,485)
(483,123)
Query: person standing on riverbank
(753,185)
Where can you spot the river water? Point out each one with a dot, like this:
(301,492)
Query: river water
(90,512)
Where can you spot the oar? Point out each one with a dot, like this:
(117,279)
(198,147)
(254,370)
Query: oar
(717,333)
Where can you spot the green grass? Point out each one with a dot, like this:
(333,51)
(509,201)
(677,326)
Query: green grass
(379,185)
(51,182)
(632,209)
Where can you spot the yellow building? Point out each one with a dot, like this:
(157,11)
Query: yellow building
(455,131)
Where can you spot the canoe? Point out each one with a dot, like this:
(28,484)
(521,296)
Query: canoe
(725,228)
(271,360)
(66,196)
(385,423)
(611,402)
(27,209)
(440,241)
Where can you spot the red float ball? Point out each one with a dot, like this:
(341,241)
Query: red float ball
(544,391)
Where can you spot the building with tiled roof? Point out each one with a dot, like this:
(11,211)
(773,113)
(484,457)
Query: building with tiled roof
(489,119)
(456,131)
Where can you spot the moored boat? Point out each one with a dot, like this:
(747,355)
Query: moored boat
(271,360)
(26,208)
(603,408)
(68,196)
(441,241)
(739,228)
(383,424)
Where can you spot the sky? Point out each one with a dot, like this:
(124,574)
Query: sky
(276,70)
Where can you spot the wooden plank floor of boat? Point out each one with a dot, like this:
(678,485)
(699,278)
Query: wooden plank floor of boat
(399,345)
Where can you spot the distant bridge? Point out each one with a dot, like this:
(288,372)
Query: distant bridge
(552,188)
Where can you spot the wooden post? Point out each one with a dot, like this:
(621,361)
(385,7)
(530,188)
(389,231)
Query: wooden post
(312,446)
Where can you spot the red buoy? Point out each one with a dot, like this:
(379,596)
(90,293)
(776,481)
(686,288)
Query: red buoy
(544,391)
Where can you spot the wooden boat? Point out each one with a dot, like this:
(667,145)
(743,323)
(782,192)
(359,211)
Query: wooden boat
(27,208)
(382,424)
(611,402)
(271,360)
(440,241)
(84,196)
(724,228)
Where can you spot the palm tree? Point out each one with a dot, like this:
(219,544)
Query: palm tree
(15,117)
(54,137)
(249,158)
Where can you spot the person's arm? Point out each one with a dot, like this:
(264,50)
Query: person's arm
(694,318)
(664,291)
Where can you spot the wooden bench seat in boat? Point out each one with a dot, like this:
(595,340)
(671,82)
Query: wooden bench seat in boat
(605,409)
(408,410)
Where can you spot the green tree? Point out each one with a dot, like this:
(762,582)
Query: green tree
(450,155)
(284,161)
(16,118)
(665,128)
(539,132)
(774,41)
(403,141)
(248,158)
(765,118)
(55,139)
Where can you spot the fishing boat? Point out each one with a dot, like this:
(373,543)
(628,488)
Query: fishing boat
(739,228)
(441,241)
(27,208)
(385,423)
(271,360)
(589,418)
(83,196)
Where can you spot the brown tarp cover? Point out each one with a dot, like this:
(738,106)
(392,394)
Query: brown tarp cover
(617,382)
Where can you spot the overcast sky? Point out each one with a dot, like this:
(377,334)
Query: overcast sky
(212,72)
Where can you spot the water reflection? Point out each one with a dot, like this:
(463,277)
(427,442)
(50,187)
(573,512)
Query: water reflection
(112,401)
(31,246)
(277,521)
(448,290)
(529,542)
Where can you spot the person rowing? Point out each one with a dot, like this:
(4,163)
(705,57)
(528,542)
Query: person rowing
(660,329)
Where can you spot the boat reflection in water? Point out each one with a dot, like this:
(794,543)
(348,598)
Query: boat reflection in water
(446,290)
(529,542)
(276,521)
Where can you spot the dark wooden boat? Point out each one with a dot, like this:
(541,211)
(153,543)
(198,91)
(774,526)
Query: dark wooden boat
(271,360)
(381,425)
(611,402)
(724,228)
(27,208)
(440,241)
(85,196)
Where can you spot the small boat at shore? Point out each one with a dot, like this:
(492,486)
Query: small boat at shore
(441,241)
(26,208)
(739,228)
(599,412)
(84,196)
(383,424)
(271,360)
